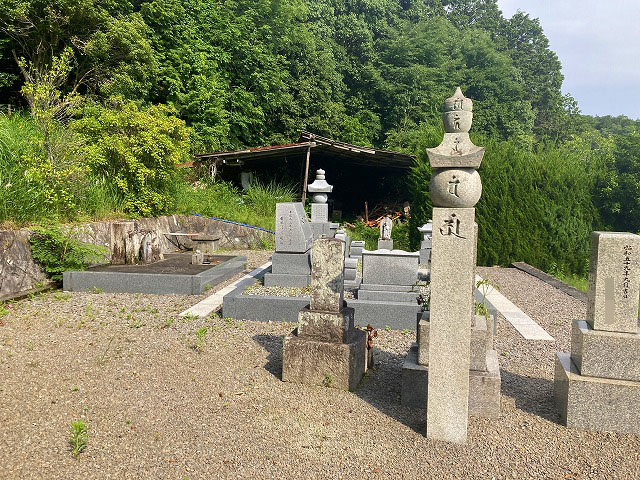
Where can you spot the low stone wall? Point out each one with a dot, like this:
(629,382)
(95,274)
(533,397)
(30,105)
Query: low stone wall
(20,273)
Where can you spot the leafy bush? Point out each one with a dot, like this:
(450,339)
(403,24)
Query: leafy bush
(136,150)
(58,251)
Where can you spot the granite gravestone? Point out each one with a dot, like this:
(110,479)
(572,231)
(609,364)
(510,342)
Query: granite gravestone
(291,262)
(597,385)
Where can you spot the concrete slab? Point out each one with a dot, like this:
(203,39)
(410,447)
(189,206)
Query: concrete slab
(522,322)
(214,301)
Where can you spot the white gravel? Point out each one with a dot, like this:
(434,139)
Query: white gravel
(160,405)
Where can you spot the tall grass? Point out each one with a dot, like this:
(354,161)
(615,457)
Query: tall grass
(18,140)
(255,207)
(26,199)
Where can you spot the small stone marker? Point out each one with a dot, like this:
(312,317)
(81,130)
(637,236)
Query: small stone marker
(614,282)
(293,231)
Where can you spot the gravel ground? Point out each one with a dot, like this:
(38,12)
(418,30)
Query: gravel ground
(162,404)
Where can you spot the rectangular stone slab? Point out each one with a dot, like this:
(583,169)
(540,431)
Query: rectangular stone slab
(327,275)
(335,365)
(291,263)
(452,279)
(614,282)
(287,280)
(325,326)
(293,230)
(593,403)
(389,288)
(385,244)
(390,267)
(597,353)
(409,297)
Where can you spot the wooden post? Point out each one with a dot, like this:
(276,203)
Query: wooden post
(306,175)
(366,212)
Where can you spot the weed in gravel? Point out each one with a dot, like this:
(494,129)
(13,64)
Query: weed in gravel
(387,328)
(75,388)
(61,296)
(96,290)
(189,317)
(328,381)
(135,322)
(168,322)
(4,311)
(201,334)
(79,437)
(228,321)
(406,331)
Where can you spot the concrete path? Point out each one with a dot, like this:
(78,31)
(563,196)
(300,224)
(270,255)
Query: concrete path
(214,301)
(522,322)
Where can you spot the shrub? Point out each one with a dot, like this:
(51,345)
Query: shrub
(136,150)
(535,207)
(57,251)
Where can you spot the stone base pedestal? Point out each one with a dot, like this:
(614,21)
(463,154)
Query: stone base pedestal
(385,244)
(335,365)
(593,403)
(289,270)
(484,386)
(286,280)
(597,353)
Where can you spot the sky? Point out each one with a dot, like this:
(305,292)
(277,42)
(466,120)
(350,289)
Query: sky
(598,43)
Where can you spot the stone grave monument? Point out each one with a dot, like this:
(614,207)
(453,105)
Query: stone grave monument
(425,244)
(291,263)
(597,385)
(385,242)
(320,223)
(455,189)
(388,294)
(326,349)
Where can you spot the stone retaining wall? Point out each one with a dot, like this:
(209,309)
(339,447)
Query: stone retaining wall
(20,273)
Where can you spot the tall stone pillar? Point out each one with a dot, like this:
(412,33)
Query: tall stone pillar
(455,189)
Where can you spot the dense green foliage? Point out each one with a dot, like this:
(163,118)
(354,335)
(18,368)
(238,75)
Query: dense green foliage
(57,251)
(120,92)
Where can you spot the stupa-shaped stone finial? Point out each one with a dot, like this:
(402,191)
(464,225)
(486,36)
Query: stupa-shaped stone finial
(320,187)
(456,149)
(457,113)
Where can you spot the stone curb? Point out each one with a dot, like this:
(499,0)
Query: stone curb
(554,282)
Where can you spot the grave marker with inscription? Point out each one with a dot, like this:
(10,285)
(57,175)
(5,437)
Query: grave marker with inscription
(597,385)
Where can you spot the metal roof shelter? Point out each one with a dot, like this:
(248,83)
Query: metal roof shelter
(323,149)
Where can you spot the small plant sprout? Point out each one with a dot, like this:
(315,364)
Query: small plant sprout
(406,331)
(201,333)
(387,328)
(79,437)
(328,380)
(96,290)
